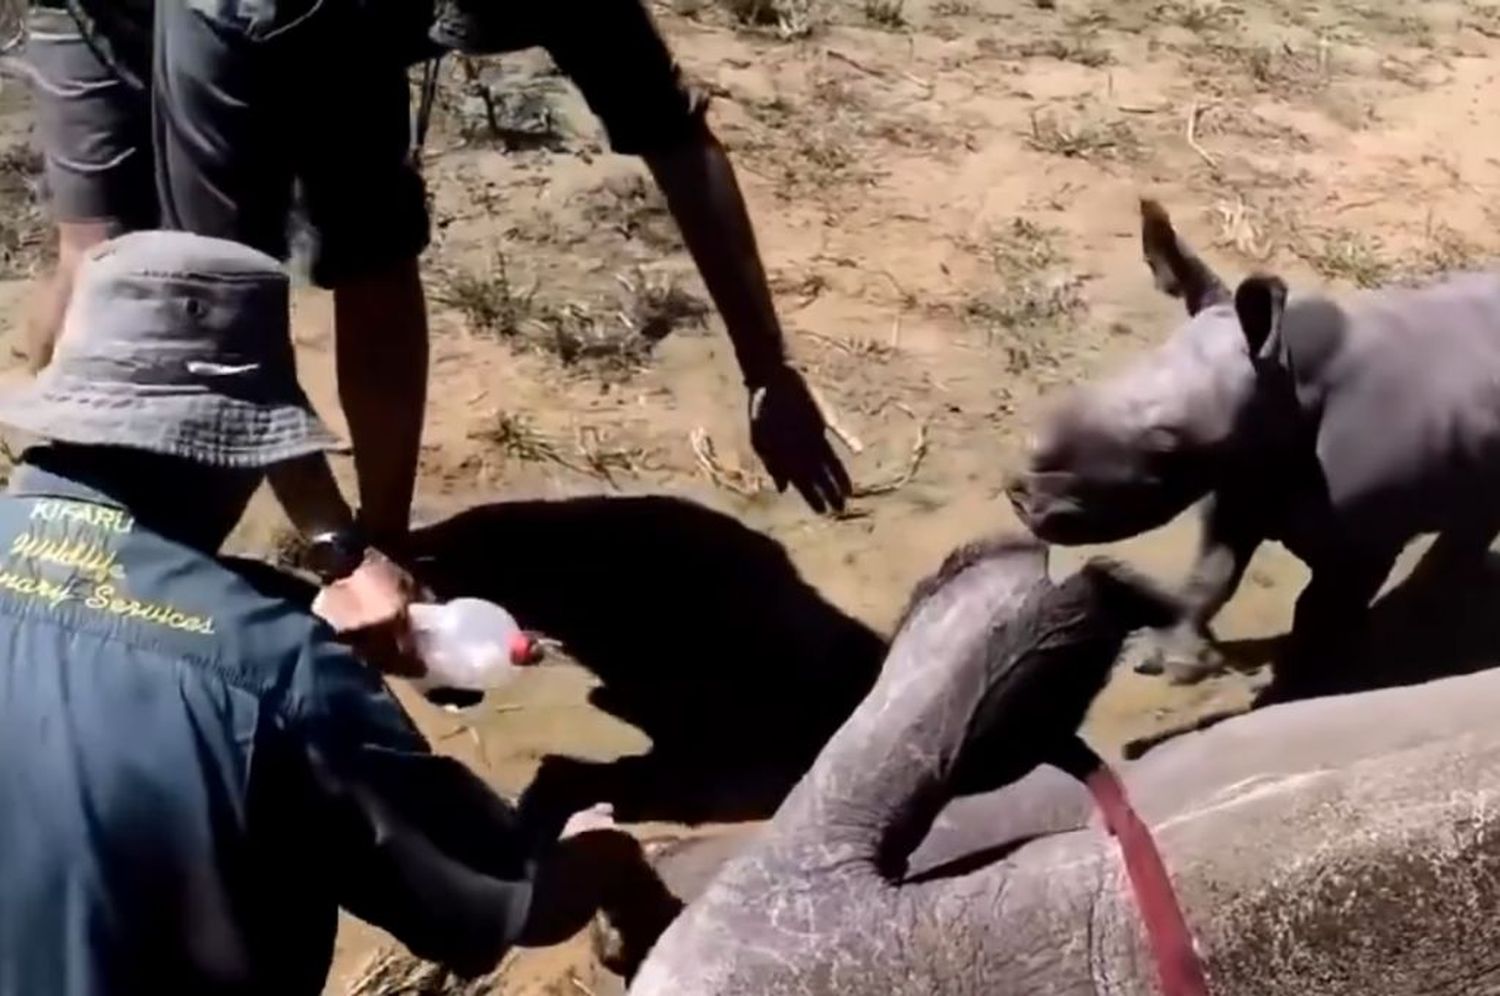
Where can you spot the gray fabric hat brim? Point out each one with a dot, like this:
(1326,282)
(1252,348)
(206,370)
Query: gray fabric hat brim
(177,344)
(193,424)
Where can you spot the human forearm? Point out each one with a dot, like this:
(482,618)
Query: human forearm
(704,197)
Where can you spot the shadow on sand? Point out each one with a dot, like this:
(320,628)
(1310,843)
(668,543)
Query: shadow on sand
(1431,625)
(703,635)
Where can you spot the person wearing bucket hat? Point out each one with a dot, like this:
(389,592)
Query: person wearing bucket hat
(194,772)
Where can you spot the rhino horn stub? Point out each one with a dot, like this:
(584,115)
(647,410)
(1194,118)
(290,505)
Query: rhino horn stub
(1177,269)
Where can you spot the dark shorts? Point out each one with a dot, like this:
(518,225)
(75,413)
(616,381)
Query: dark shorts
(250,106)
(94,129)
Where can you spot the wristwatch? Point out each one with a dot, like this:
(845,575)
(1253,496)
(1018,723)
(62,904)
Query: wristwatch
(336,553)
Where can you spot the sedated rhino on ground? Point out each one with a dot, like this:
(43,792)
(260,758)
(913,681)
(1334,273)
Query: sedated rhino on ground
(1343,429)
(1345,847)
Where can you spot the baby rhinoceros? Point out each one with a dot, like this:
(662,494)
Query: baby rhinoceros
(1342,429)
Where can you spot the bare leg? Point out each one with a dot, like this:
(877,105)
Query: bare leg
(381,339)
(49,302)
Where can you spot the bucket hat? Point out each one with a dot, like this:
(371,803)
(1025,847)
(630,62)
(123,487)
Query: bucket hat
(176,344)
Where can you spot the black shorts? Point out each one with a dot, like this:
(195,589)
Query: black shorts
(94,129)
(249,105)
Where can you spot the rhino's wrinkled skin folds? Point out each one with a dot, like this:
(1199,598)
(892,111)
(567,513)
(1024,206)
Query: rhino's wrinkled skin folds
(1338,846)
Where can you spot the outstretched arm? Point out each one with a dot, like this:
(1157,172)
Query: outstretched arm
(612,50)
(787,428)
(705,199)
(418,844)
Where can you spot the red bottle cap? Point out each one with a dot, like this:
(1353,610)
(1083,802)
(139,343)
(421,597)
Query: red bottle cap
(523,649)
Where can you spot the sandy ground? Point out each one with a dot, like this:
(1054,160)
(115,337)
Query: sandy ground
(945,195)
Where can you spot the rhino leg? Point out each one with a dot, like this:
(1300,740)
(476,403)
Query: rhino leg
(1331,624)
(1185,652)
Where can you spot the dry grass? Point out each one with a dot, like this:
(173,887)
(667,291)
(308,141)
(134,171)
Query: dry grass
(1082,136)
(888,14)
(1024,247)
(1449,250)
(577,335)
(789,19)
(593,453)
(657,304)
(289,548)
(490,302)
(1444,250)
(1027,304)
(1248,230)
(1200,16)
(1030,294)
(1344,254)
(1083,48)
(636,209)
(1279,68)
(25,235)
(515,436)
(516,115)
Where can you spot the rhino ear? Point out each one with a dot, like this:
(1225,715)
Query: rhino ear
(1259,302)
(1177,269)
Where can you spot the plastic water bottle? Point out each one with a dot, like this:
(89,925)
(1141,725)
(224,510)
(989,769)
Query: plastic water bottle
(468,644)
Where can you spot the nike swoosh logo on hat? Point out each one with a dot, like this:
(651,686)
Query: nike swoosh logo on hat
(206,369)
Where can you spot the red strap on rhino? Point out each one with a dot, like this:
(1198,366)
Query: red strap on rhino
(1178,969)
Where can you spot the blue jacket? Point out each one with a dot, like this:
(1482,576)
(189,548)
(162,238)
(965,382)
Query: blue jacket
(194,776)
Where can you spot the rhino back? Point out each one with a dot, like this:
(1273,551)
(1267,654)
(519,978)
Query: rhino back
(1409,407)
(1376,879)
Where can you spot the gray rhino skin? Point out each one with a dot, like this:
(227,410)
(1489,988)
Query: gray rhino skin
(1335,846)
(1342,429)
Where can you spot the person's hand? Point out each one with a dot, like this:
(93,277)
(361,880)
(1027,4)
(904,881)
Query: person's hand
(368,609)
(790,437)
(598,875)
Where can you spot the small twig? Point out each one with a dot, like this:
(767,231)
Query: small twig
(849,60)
(1194,113)
(835,426)
(1352,205)
(914,463)
(578,984)
(738,481)
(896,332)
